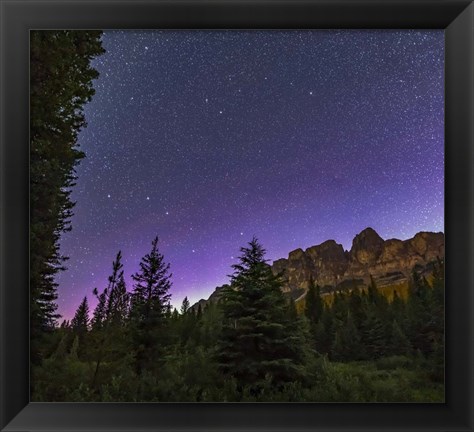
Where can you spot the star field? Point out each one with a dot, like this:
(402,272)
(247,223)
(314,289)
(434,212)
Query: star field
(206,138)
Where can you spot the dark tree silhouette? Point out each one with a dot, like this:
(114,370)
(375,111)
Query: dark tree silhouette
(80,322)
(150,308)
(60,84)
(258,341)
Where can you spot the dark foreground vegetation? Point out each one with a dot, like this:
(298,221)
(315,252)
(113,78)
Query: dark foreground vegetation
(251,345)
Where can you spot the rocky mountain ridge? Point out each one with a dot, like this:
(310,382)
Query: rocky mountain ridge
(389,262)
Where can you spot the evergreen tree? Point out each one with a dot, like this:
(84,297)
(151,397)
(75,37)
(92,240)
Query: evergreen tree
(211,325)
(314,303)
(98,318)
(150,308)
(436,366)
(292,311)
(114,298)
(397,307)
(188,324)
(372,291)
(114,307)
(60,84)
(150,297)
(64,325)
(121,307)
(399,343)
(346,345)
(377,299)
(80,322)
(435,327)
(374,335)
(258,340)
(325,332)
(437,299)
(438,277)
(184,306)
(356,308)
(419,314)
(98,336)
(80,328)
(339,307)
(107,333)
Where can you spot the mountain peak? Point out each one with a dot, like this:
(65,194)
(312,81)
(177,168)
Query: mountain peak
(368,232)
(366,246)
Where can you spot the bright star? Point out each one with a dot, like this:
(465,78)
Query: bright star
(108,196)
(148,198)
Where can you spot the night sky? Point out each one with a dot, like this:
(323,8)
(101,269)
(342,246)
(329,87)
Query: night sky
(206,138)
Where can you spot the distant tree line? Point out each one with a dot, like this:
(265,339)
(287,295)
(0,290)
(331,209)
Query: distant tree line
(364,325)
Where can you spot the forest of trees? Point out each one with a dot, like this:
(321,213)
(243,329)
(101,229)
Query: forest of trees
(250,345)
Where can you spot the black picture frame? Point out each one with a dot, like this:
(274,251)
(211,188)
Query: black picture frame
(18,17)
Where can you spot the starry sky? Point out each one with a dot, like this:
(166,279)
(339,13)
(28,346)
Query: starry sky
(206,138)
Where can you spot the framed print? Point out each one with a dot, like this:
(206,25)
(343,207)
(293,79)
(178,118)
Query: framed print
(252,216)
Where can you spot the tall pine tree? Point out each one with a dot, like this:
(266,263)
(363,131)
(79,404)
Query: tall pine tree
(109,317)
(258,340)
(150,307)
(313,303)
(80,322)
(60,84)
(117,297)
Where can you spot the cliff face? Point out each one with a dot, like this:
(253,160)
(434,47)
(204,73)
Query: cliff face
(387,261)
